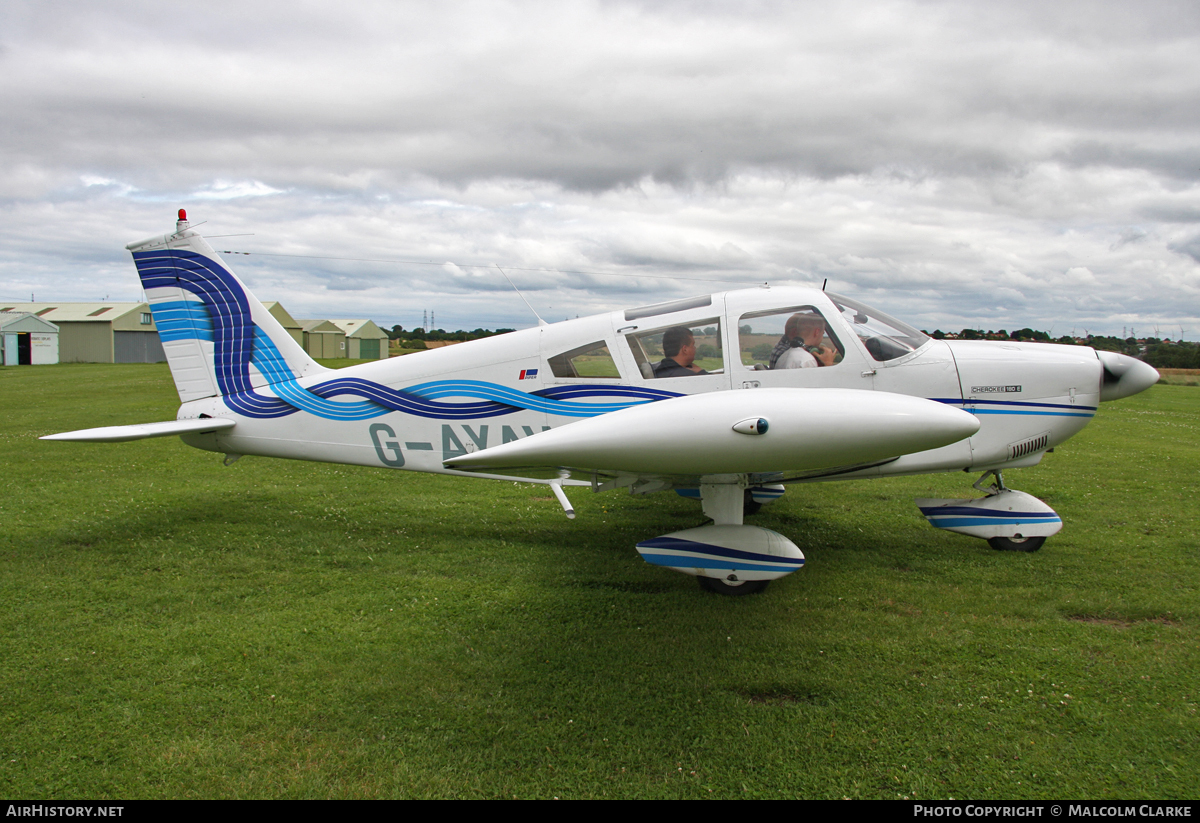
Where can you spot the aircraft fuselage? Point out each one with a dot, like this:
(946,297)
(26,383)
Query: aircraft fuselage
(1027,397)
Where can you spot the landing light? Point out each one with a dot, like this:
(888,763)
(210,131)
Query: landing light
(755,425)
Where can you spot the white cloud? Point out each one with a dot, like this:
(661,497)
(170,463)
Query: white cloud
(944,160)
(224,190)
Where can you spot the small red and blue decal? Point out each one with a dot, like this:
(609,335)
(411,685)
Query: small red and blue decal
(528,374)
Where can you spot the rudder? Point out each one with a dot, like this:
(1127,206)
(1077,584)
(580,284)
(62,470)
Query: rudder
(218,338)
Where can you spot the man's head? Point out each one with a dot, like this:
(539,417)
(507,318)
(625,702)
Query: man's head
(680,345)
(808,328)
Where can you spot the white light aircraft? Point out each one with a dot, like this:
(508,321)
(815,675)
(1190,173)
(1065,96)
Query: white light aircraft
(726,397)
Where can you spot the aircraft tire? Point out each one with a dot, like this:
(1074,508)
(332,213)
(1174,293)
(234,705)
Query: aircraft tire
(717,586)
(750,505)
(1016,544)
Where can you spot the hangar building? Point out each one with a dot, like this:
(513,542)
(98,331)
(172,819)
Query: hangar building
(364,340)
(100,332)
(27,340)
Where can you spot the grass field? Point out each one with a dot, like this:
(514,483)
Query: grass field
(175,628)
(1180,377)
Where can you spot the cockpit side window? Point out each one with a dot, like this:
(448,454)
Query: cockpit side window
(766,339)
(886,338)
(593,361)
(679,351)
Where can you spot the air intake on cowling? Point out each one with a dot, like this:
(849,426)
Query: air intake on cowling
(1033,444)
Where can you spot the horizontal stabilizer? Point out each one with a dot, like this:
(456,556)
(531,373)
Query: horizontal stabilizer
(140,431)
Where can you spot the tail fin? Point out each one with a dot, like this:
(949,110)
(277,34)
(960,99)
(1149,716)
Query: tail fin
(219,340)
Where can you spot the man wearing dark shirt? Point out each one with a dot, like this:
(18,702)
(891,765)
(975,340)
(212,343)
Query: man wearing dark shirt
(679,346)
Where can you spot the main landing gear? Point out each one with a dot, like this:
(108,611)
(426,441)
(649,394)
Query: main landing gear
(726,557)
(733,589)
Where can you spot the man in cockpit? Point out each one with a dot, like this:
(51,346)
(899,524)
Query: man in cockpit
(679,346)
(803,333)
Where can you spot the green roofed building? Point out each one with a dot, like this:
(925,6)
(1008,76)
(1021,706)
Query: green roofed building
(322,339)
(290,324)
(27,340)
(364,340)
(99,332)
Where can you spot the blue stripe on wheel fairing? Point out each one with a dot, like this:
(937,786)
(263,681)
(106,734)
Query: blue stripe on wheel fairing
(956,522)
(681,545)
(691,561)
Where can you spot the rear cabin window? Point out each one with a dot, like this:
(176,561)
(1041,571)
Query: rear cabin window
(647,349)
(763,337)
(593,361)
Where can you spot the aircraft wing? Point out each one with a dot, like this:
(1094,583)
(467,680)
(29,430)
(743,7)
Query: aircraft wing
(736,432)
(140,431)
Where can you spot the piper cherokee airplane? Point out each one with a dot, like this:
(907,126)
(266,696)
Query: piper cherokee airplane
(724,397)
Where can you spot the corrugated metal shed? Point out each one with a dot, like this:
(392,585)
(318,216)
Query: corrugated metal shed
(109,332)
(27,340)
(322,339)
(290,324)
(363,339)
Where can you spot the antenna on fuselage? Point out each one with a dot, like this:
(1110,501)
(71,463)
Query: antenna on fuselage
(541,322)
(824,284)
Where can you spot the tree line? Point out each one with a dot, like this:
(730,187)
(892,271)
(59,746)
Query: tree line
(1159,353)
(419,336)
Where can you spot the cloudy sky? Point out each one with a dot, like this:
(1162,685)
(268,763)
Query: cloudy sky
(987,164)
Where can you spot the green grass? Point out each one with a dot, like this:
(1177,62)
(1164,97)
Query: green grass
(175,628)
(1180,377)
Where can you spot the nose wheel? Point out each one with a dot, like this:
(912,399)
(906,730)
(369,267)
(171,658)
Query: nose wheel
(738,589)
(1009,520)
(1016,544)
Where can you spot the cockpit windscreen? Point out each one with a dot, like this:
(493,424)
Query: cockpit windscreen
(886,338)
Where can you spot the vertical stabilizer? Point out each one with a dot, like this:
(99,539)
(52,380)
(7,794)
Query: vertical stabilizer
(219,340)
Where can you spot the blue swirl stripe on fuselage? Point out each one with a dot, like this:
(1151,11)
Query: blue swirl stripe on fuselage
(536,402)
(223,317)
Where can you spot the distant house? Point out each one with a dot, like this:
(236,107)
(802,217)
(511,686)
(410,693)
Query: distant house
(99,332)
(364,340)
(27,340)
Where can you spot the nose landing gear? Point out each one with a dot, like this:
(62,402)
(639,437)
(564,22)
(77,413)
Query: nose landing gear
(1007,519)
